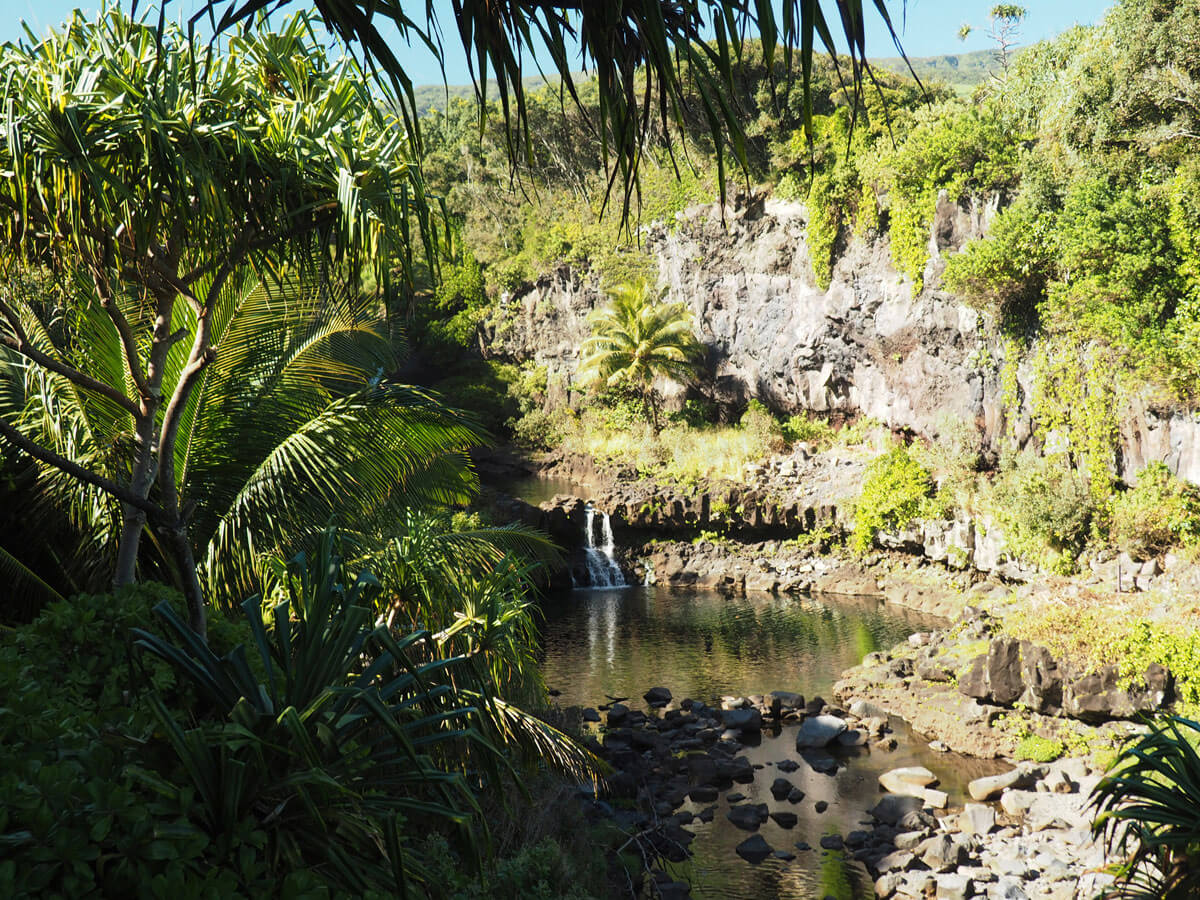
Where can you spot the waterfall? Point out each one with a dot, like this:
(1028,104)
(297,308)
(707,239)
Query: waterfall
(602,568)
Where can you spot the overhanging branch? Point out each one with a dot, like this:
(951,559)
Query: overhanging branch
(50,458)
(19,341)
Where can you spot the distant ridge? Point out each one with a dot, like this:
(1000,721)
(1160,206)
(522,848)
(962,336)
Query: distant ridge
(961,71)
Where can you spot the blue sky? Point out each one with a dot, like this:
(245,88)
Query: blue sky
(930,28)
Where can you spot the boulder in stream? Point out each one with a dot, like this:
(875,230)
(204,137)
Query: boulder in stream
(754,849)
(819,731)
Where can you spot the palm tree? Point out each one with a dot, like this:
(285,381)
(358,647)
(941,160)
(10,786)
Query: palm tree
(636,339)
(154,172)
(292,424)
(647,56)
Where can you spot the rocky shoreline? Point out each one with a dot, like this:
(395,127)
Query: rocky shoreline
(1025,835)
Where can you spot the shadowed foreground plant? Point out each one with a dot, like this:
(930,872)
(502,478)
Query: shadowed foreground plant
(1149,812)
(337,740)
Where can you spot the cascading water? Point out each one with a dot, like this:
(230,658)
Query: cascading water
(602,568)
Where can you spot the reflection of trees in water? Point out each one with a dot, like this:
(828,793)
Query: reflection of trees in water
(838,877)
(708,644)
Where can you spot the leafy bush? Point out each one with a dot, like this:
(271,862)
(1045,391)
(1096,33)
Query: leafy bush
(762,427)
(1044,509)
(1159,512)
(1089,632)
(78,815)
(806,427)
(894,487)
(1039,749)
(541,430)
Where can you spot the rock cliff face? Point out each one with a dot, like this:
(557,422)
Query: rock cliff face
(866,345)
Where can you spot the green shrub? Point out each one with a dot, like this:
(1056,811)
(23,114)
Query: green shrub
(78,813)
(1159,512)
(894,487)
(805,427)
(1044,509)
(541,430)
(1039,749)
(763,428)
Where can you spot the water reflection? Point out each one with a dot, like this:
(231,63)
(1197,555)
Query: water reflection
(705,645)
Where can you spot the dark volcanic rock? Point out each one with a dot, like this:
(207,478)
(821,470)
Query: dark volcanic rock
(748,816)
(785,819)
(742,719)
(995,676)
(657,696)
(754,849)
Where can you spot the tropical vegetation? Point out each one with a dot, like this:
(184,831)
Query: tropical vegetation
(637,339)
(258,640)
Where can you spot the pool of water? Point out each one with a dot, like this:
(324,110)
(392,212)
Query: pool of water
(602,644)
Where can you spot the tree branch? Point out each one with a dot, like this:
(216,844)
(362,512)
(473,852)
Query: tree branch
(50,458)
(19,341)
(125,332)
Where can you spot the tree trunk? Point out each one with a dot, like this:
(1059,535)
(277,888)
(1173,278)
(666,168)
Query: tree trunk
(134,519)
(650,401)
(193,593)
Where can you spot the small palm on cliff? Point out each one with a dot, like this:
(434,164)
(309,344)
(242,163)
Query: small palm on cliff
(636,339)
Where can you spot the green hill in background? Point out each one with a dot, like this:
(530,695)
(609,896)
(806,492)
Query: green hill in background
(961,71)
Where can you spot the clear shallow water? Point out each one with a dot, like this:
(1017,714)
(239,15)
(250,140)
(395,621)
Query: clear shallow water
(702,644)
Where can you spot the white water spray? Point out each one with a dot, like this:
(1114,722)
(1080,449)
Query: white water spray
(602,568)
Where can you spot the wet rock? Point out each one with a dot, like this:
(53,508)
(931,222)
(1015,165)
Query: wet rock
(795,795)
(832,842)
(820,806)
(780,788)
(754,849)
(851,737)
(590,715)
(892,807)
(787,765)
(785,819)
(814,706)
(742,719)
(906,778)
(704,793)
(819,731)
(865,709)
(617,713)
(657,696)
(786,702)
(822,764)
(749,816)
(785,855)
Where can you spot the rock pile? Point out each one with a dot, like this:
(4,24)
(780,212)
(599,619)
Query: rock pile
(691,751)
(1037,846)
